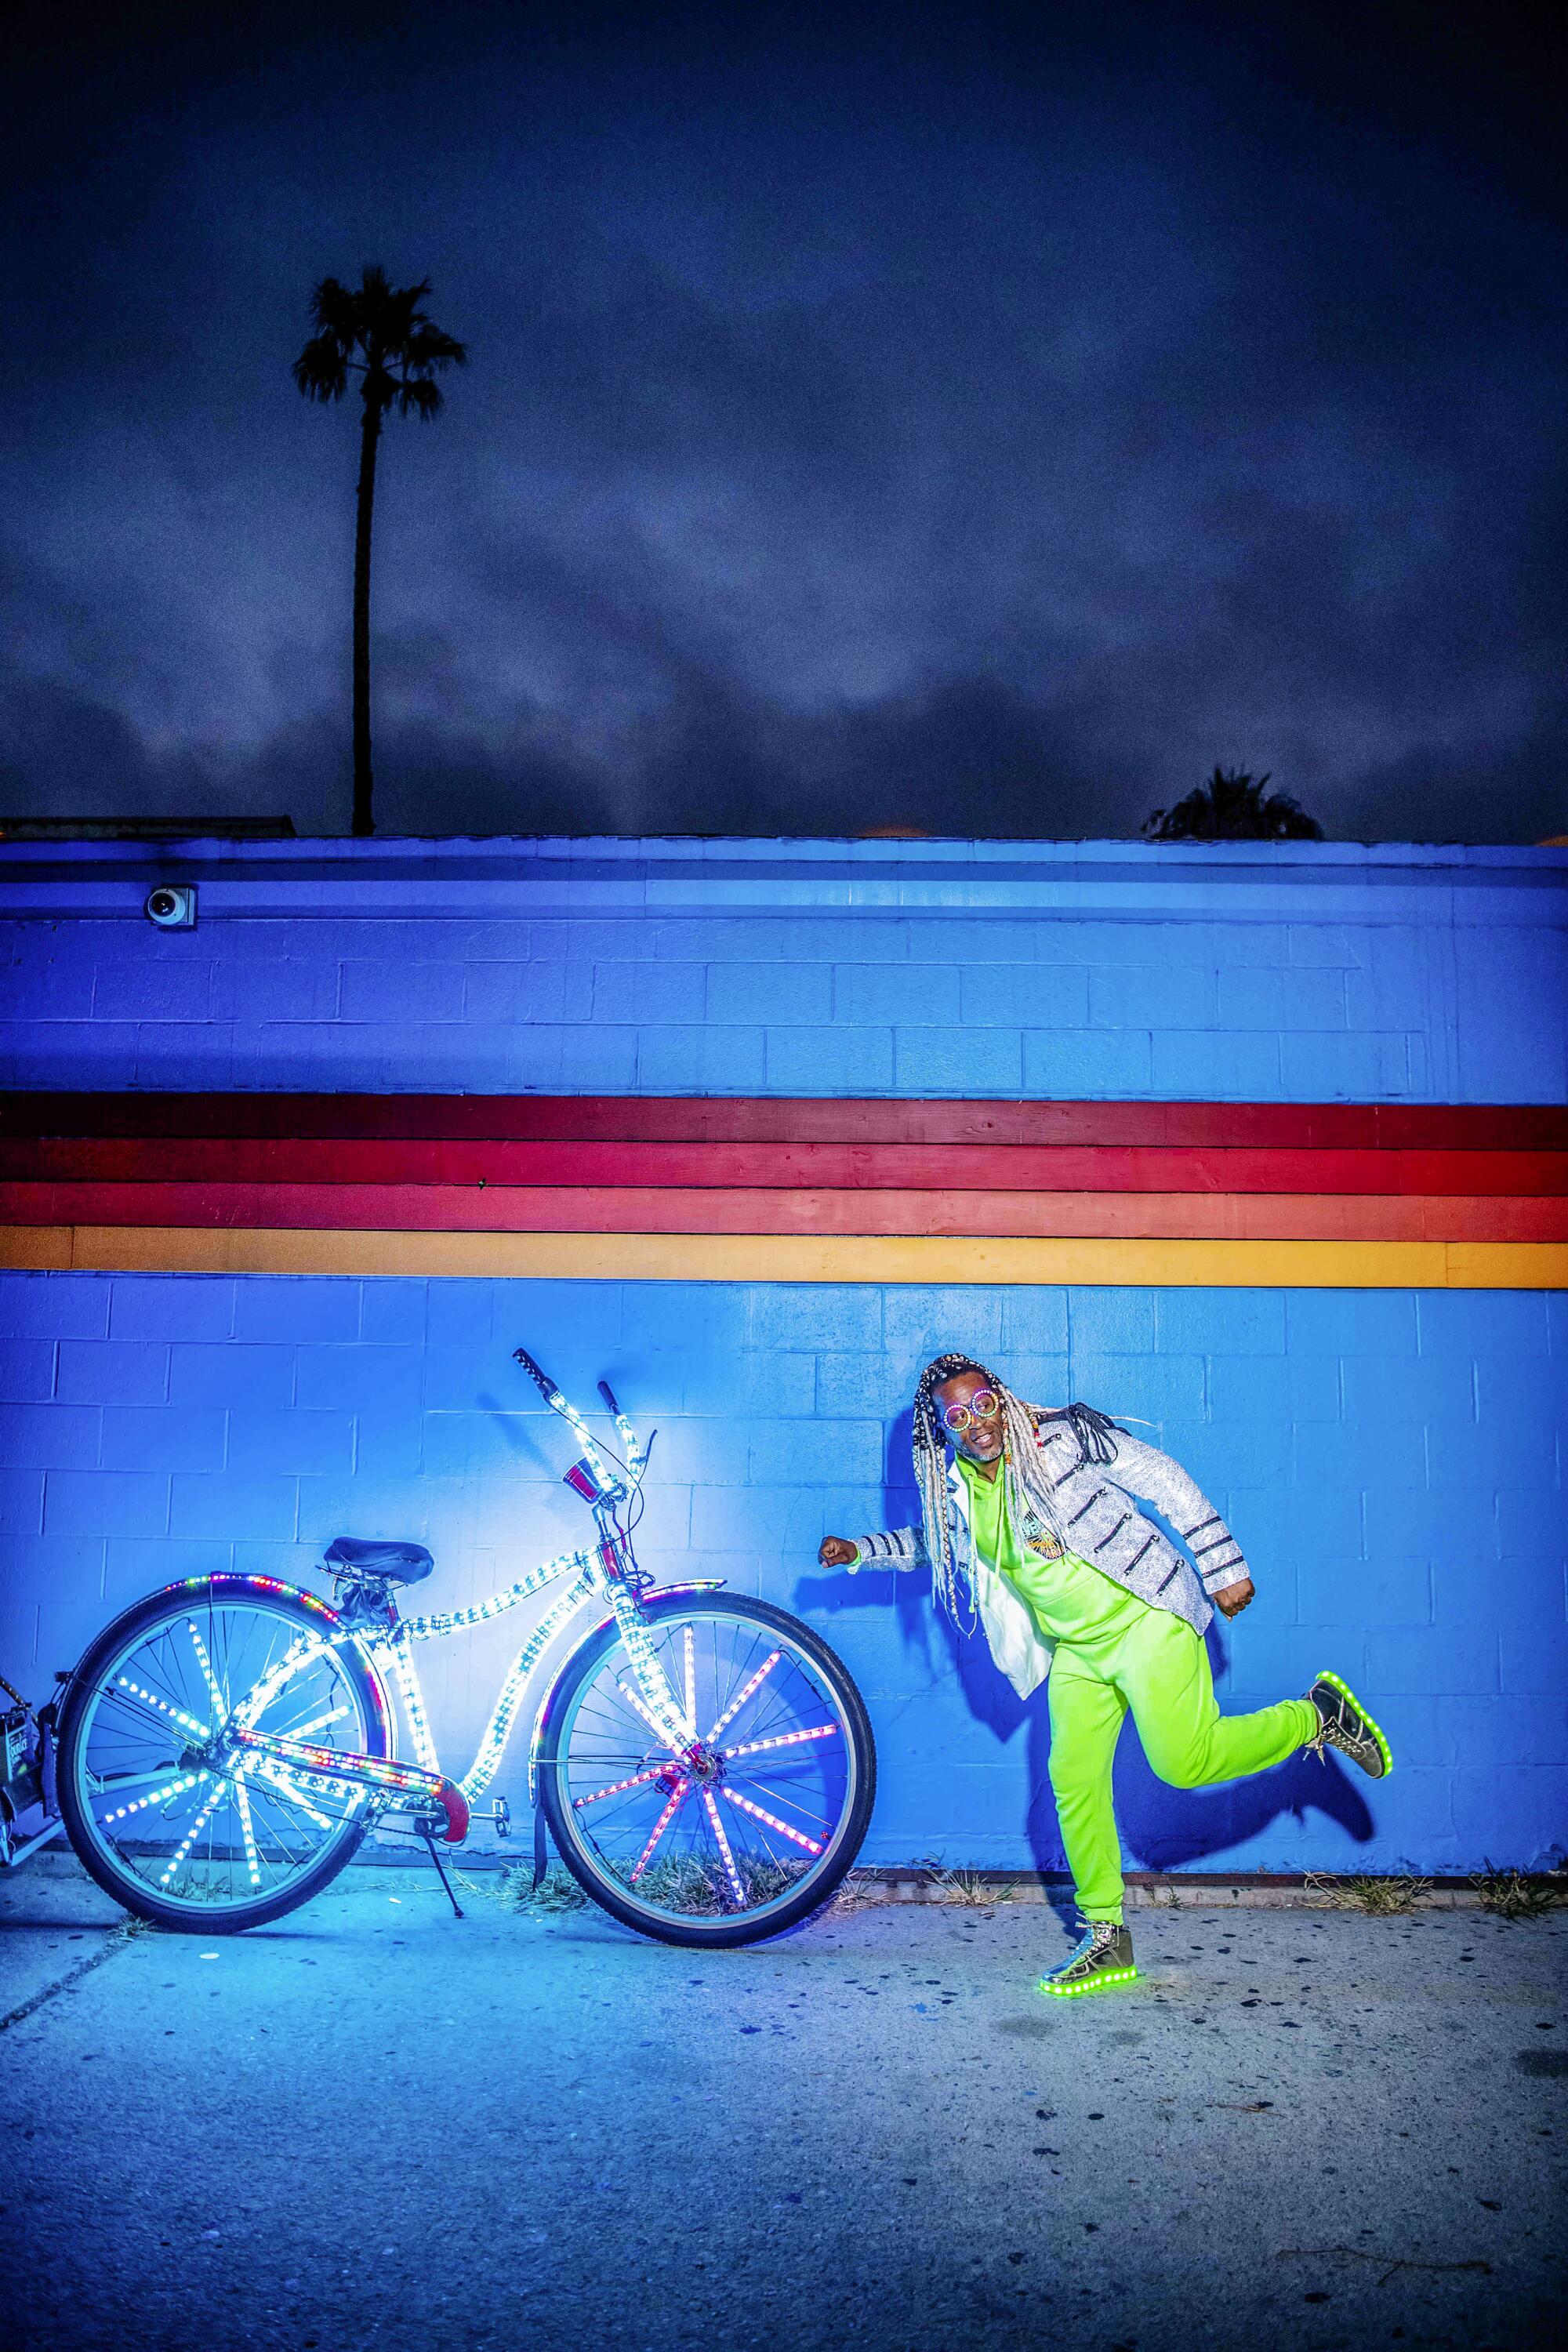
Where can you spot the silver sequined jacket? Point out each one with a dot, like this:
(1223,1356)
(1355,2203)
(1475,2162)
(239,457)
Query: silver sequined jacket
(1097,1509)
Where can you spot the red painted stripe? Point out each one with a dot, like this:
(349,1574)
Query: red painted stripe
(785,1166)
(754,1120)
(438,1208)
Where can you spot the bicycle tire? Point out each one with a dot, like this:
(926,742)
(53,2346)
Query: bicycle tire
(125,1888)
(725,1932)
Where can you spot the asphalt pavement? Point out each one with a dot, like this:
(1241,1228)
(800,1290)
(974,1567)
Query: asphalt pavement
(376,2126)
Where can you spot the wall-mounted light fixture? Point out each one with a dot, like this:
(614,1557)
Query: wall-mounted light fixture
(172,906)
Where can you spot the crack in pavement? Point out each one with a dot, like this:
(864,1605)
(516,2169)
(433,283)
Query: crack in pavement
(115,1942)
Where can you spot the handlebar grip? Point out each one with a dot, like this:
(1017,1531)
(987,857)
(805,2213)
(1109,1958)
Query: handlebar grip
(539,1377)
(608,1392)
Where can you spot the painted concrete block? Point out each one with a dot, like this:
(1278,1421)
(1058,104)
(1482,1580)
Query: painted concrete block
(1214,1065)
(760,992)
(106,1503)
(1249,1322)
(1351,1322)
(938,1318)
(282,1307)
(1019,996)
(1390,1590)
(21,1503)
(830,1061)
(1110,1322)
(901,995)
(163,1437)
(112,1372)
(505,994)
(1429,1660)
(399,990)
(1079,1064)
(54,1306)
(1507,1323)
(360,1378)
(224,1506)
(958,1062)
(87,1052)
(172,1306)
(1152,996)
(49,1437)
(28,1372)
(263,1444)
(648,994)
(808,1314)
(230,1372)
(702,1061)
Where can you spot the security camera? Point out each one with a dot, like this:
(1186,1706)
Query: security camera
(172,906)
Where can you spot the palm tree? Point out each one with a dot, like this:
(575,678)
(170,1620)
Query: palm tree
(1233,806)
(379,333)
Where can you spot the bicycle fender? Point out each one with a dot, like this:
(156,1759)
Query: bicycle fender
(239,1580)
(655,1592)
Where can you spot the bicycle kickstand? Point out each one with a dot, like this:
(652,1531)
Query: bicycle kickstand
(440,1867)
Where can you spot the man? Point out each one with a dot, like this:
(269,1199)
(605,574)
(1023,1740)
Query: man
(1035,1525)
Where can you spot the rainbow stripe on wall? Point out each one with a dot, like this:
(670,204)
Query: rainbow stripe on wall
(762,1190)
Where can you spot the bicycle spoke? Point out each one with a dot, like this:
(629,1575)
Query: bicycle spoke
(718,1827)
(677,1798)
(811,1844)
(736,1704)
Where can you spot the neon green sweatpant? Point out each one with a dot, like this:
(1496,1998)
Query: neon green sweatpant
(1157,1665)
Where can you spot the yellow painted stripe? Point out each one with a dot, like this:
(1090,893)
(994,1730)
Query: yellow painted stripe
(798,1257)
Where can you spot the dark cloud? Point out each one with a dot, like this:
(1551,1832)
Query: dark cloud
(983,427)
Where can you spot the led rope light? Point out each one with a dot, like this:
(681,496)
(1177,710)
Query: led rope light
(317,1722)
(736,1704)
(732,1872)
(618,1788)
(246,1828)
(773,1820)
(666,1714)
(689,1646)
(192,1834)
(676,1746)
(206,1667)
(176,1713)
(492,1748)
(154,1796)
(290,1789)
(784,1739)
(457,1621)
(412,1699)
(579,1428)
(677,1797)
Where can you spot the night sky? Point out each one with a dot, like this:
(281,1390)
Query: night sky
(981,421)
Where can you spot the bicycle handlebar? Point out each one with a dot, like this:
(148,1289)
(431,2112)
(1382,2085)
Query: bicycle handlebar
(608,1392)
(541,1379)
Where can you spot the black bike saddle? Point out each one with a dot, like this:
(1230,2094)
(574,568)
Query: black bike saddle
(403,1563)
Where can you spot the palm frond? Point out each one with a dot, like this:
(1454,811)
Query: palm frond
(418,396)
(321,369)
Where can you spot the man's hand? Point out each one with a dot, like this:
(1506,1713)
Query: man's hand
(837,1551)
(1233,1600)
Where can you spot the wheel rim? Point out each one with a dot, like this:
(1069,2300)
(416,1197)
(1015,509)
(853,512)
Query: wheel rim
(199,1832)
(686,1843)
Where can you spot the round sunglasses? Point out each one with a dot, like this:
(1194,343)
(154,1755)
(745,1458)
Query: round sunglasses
(984,1405)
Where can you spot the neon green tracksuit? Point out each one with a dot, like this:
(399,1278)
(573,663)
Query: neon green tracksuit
(1112,1651)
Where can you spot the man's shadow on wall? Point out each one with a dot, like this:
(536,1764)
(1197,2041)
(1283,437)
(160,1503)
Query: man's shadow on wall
(1163,1827)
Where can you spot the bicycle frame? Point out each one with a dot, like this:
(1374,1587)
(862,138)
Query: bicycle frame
(605,1572)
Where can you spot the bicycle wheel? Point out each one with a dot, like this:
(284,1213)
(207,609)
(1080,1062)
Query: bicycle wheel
(172,1827)
(750,1826)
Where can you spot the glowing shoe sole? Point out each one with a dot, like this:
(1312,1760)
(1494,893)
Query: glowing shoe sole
(1345,1692)
(1100,1982)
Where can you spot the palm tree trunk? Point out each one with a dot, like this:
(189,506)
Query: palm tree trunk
(363,822)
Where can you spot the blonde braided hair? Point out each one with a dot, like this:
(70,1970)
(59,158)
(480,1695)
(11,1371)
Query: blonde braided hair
(1027,1489)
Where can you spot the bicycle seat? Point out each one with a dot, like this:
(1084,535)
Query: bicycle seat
(400,1563)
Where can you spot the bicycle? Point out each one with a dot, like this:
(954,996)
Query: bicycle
(704,1764)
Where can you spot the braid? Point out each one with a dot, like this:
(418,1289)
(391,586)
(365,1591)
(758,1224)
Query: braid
(1026,1482)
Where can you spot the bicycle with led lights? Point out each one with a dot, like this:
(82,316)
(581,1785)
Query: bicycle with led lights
(703,1761)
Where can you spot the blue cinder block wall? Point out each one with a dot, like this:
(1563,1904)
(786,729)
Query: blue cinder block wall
(1392,1461)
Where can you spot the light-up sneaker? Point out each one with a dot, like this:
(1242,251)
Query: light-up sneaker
(1104,1957)
(1343,1723)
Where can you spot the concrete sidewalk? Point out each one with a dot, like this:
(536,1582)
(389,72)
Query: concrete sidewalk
(375,2126)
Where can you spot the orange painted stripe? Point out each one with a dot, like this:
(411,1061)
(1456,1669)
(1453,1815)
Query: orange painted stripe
(589,1209)
(1183,1264)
